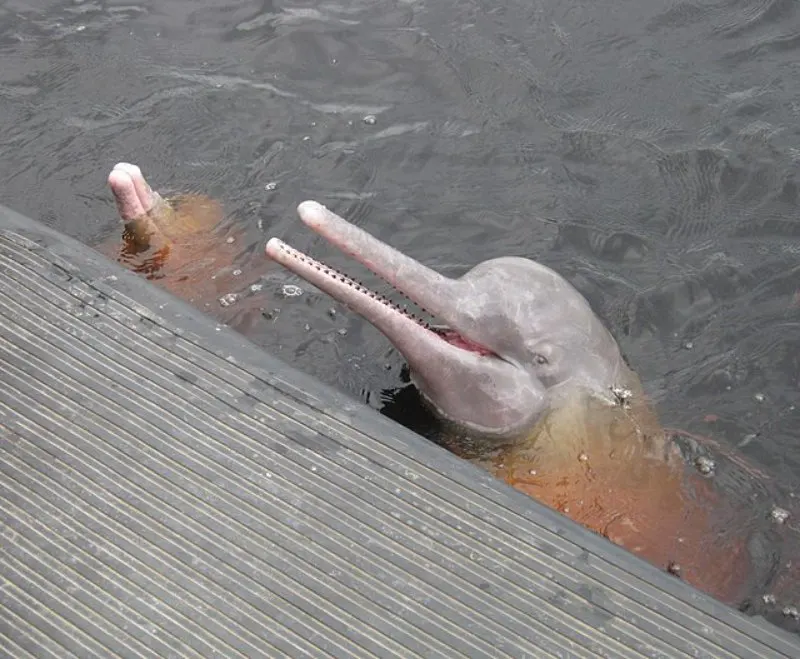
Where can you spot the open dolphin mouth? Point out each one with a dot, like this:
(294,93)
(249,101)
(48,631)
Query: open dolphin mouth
(455,339)
(418,283)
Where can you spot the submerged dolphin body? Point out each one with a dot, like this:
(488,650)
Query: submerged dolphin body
(176,242)
(520,339)
(560,416)
(523,356)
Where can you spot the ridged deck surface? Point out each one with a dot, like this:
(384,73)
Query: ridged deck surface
(169,490)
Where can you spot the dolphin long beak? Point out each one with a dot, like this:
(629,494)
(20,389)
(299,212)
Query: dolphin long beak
(420,284)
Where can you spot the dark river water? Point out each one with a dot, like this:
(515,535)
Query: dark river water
(647,150)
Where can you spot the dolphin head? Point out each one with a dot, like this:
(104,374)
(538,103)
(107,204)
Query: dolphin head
(517,337)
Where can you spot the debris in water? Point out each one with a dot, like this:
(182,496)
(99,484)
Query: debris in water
(747,439)
(290,290)
(705,465)
(229,299)
(779,515)
(623,396)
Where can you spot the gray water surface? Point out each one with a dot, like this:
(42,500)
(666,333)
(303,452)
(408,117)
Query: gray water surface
(646,150)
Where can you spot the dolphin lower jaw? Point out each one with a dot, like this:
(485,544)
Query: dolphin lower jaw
(498,415)
(479,391)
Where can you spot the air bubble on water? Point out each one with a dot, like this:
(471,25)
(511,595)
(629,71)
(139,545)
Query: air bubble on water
(705,465)
(760,398)
(255,288)
(342,331)
(370,120)
(290,290)
(779,515)
(272,185)
(688,345)
(237,272)
(230,240)
(229,299)
(791,612)
(768,599)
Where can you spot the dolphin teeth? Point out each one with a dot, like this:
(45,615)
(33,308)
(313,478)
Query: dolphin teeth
(359,286)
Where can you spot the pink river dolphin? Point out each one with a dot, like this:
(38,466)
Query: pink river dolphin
(521,365)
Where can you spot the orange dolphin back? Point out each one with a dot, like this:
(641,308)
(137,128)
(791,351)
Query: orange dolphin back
(612,469)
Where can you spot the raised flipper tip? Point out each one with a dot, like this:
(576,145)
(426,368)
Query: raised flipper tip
(128,168)
(132,193)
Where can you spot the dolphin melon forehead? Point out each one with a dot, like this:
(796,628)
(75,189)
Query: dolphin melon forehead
(521,301)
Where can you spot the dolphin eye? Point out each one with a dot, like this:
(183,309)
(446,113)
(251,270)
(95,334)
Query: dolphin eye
(540,359)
